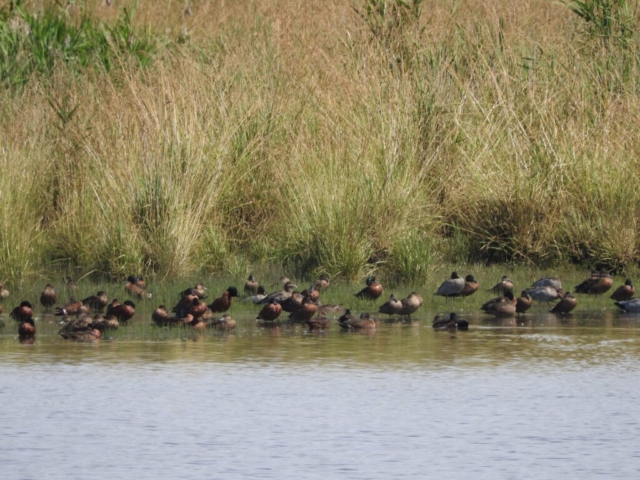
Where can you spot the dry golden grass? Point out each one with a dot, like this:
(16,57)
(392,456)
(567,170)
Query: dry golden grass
(283,131)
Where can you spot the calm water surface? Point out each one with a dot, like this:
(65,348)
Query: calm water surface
(545,399)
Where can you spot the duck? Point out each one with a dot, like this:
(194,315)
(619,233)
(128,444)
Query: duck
(307,310)
(199,290)
(545,293)
(136,287)
(123,312)
(312,293)
(196,324)
(392,307)
(223,303)
(83,336)
(258,297)
(450,322)
(281,295)
(553,282)
(372,291)
(27,328)
(270,311)
(197,308)
(318,323)
(411,303)
(161,317)
(72,307)
(251,285)
(566,304)
(323,282)
(505,285)
(624,292)
(346,316)
(629,306)
(111,306)
(97,302)
(452,287)
(293,303)
(501,306)
(70,284)
(22,312)
(597,284)
(225,323)
(48,297)
(4,293)
(102,323)
(471,286)
(524,302)
(76,324)
(349,322)
(185,302)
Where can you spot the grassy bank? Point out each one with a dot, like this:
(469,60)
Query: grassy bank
(322,137)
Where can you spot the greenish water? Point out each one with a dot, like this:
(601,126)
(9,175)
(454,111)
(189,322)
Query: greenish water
(536,397)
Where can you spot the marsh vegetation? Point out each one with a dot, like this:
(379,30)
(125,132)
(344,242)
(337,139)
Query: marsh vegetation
(340,137)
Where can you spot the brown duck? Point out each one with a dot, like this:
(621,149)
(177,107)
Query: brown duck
(224,323)
(97,302)
(502,306)
(251,285)
(72,307)
(123,312)
(624,292)
(597,284)
(136,287)
(504,286)
(222,304)
(48,297)
(566,304)
(22,312)
(270,311)
(307,310)
(391,307)
(27,328)
(523,302)
(318,323)
(411,303)
(471,286)
(350,322)
(372,291)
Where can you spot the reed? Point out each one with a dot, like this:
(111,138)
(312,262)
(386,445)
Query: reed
(347,138)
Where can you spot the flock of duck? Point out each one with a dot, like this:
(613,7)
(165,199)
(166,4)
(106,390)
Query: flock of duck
(84,320)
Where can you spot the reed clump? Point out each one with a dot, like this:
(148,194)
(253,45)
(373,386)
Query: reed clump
(346,138)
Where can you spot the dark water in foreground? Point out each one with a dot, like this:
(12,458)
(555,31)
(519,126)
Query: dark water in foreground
(545,400)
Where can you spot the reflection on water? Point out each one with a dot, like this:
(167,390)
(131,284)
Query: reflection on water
(537,397)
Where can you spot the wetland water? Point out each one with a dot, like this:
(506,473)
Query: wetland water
(545,399)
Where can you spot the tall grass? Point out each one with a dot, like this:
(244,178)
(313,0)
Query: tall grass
(347,138)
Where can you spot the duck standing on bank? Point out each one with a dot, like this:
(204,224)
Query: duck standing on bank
(372,291)
(471,286)
(452,287)
(597,284)
(410,304)
(391,307)
(624,292)
(504,286)
(222,304)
